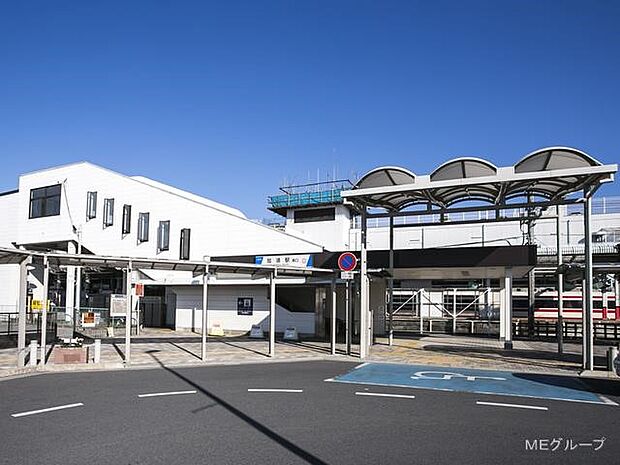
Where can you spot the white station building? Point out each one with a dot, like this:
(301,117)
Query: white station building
(87,209)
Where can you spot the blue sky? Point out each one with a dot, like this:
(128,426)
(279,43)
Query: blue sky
(232,99)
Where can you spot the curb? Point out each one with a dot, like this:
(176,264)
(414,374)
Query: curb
(117,366)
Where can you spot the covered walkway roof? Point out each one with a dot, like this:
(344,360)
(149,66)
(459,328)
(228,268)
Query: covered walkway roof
(549,174)
(16,256)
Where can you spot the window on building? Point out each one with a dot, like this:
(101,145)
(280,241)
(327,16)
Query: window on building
(45,201)
(163,235)
(126,219)
(108,212)
(91,205)
(184,253)
(143,227)
(316,214)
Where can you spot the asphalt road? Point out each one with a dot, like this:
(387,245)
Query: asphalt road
(224,423)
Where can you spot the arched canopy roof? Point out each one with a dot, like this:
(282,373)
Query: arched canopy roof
(465,167)
(554,158)
(551,173)
(386,176)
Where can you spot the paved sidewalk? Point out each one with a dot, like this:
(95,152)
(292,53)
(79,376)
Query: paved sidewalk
(155,348)
(484,353)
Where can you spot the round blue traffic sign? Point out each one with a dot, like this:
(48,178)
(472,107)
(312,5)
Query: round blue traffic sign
(347,261)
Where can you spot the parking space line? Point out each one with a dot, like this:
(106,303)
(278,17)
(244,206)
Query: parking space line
(498,404)
(44,410)
(275,390)
(381,394)
(171,393)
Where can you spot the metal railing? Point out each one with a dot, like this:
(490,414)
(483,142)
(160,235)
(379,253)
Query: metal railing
(600,206)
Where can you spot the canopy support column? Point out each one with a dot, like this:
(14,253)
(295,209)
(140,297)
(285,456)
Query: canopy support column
(21,304)
(502,310)
(46,277)
(333,325)
(70,289)
(508,309)
(272,313)
(128,315)
(587,330)
(364,300)
(391,284)
(558,242)
(205,312)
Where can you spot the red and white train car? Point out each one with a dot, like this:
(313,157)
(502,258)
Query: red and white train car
(546,305)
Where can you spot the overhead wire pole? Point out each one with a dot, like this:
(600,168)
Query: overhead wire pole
(558,242)
(46,276)
(205,309)
(588,333)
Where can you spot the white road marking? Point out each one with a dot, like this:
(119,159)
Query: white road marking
(380,394)
(497,404)
(172,393)
(43,410)
(360,365)
(607,401)
(275,390)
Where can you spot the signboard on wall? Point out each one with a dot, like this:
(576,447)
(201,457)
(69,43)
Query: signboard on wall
(299,260)
(245,305)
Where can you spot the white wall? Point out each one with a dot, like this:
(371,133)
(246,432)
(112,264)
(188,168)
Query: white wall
(222,306)
(215,229)
(9,274)
(333,235)
(507,233)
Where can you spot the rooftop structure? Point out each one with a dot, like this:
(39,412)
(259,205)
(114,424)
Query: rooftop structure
(308,195)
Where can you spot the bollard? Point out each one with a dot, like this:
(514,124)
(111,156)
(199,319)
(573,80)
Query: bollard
(97,357)
(612,353)
(33,354)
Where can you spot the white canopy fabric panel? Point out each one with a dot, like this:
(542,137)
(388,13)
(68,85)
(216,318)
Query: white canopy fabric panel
(554,158)
(550,173)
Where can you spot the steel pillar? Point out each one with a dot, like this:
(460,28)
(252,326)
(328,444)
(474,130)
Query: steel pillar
(558,242)
(272,313)
(333,325)
(391,284)
(364,297)
(588,328)
(70,289)
(128,315)
(21,309)
(508,309)
(46,277)
(205,310)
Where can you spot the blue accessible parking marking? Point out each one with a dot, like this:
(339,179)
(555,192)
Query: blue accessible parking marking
(471,380)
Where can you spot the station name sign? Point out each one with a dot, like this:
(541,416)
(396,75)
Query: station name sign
(299,260)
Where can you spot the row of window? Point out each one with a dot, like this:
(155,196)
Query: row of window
(45,201)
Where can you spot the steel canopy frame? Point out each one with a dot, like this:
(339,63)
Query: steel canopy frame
(24,258)
(543,178)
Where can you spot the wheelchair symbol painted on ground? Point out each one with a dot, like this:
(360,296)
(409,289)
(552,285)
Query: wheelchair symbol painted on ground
(447,376)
